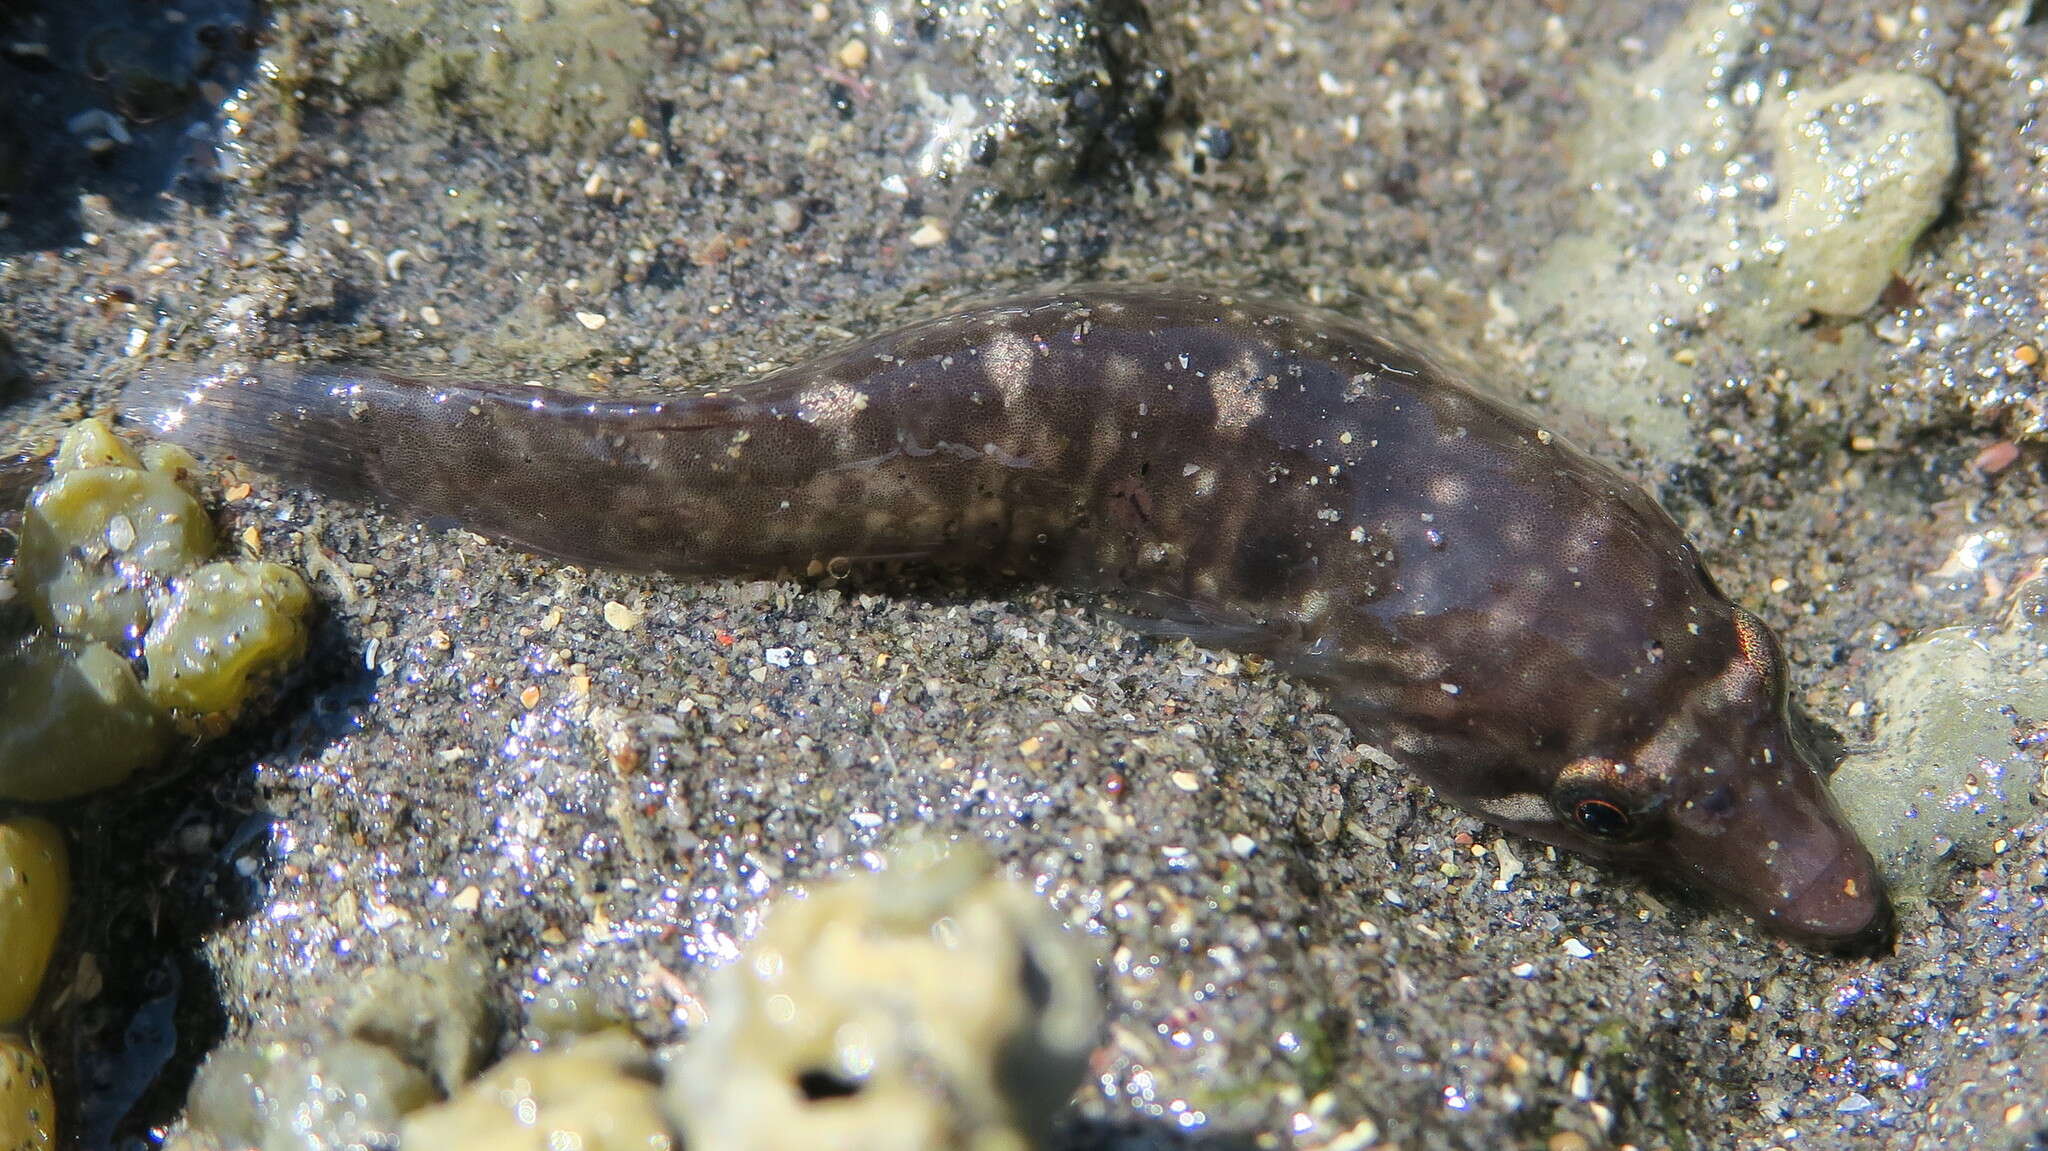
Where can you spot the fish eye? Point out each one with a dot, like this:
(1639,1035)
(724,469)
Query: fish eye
(1601,818)
(1606,799)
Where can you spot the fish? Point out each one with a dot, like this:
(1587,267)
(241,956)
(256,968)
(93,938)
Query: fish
(1508,618)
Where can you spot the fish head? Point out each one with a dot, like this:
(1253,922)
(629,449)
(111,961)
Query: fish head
(1716,792)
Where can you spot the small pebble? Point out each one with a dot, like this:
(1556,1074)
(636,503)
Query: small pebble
(1511,866)
(1997,457)
(786,215)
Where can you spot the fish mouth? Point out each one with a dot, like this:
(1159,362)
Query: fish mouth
(1845,910)
(1786,855)
(1842,909)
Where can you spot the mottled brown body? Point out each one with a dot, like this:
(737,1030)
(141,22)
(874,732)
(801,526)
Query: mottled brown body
(1496,610)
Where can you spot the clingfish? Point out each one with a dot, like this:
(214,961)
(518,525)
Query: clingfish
(1496,611)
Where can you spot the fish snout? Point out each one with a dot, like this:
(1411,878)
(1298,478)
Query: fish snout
(1777,846)
(1844,909)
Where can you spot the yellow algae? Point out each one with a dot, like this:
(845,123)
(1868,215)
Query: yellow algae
(218,633)
(347,1094)
(938,1005)
(171,460)
(96,540)
(28,1108)
(35,882)
(109,564)
(92,444)
(407,1038)
(597,1094)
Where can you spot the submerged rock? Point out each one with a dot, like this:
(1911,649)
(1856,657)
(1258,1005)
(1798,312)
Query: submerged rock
(1953,769)
(1863,169)
(1016,96)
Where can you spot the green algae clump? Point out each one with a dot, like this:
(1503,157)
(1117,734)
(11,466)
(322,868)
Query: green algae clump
(112,565)
(218,632)
(35,884)
(102,534)
(73,719)
(28,1108)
